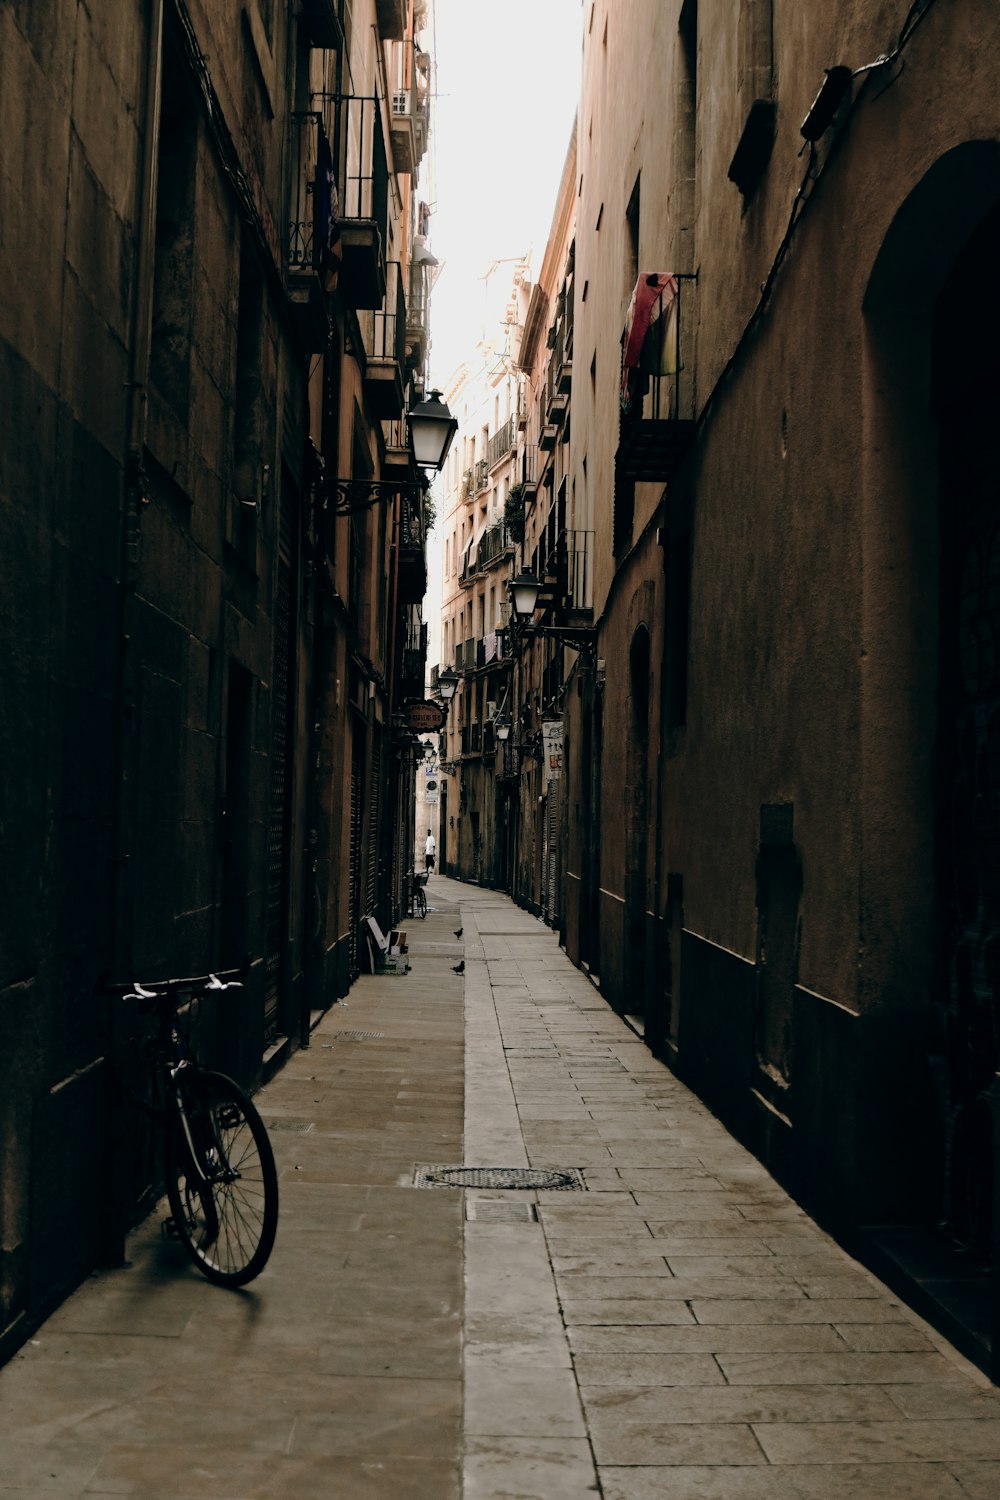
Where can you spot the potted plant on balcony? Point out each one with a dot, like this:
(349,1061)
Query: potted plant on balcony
(513,513)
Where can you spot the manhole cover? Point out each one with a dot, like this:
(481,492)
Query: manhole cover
(357,1036)
(496,1211)
(549,1179)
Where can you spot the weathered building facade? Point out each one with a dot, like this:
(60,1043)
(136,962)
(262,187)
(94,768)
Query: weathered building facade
(779,790)
(477,542)
(211,322)
(556,542)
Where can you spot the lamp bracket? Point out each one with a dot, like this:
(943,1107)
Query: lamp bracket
(579,638)
(347,497)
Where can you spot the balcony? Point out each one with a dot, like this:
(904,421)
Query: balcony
(362,174)
(558,408)
(564,379)
(496,546)
(481,476)
(657,393)
(571,565)
(412,556)
(529,474)
(417,316)
(312,226)
(384,336)
(408,129)
(500,444)
(549,437)
(413,661)
(398,460)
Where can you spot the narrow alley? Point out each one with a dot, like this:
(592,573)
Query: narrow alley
(666,1326)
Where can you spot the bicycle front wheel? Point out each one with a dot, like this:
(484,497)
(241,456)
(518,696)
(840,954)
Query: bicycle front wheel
(224,1194)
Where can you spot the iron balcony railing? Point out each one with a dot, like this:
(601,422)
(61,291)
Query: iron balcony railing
(502,441)
(497,543)
(384,331)
(354,125)
(656,400)
(411,528)
(481,476)
(576,559)
(312,217)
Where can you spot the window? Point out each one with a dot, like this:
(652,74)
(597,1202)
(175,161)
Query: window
(755,88)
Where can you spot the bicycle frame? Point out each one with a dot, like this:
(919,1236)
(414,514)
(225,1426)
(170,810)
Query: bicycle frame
(220,1175)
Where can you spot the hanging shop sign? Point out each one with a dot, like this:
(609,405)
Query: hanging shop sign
(423,716)
(552,737)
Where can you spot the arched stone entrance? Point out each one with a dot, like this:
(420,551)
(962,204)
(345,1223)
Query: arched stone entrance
(930,691)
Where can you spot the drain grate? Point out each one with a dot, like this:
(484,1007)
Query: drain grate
(495,1211)
(357,1036)
(548,1179)
(293,1127)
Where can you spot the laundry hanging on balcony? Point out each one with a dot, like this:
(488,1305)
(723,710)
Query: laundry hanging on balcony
(330,250)
(649,342)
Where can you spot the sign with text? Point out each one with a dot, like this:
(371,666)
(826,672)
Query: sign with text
(424,716)
(552,737)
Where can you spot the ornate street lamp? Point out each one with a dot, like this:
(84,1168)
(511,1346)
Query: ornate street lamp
(431,428)
(501,725)
(447,683)
(524,591)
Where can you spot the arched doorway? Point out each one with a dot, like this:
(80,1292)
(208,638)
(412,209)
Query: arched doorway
(929,976)
(966,1004)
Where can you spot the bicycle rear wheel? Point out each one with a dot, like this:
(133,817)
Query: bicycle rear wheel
(225,1201)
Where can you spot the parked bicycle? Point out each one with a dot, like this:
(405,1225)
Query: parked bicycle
(419,893)
(222,1184)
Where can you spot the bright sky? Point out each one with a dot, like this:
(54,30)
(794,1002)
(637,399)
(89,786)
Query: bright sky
(508,76)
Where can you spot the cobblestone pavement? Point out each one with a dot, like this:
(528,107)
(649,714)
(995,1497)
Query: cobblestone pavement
(679,1330)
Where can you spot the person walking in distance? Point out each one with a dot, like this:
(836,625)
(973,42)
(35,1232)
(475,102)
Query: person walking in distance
(430,849)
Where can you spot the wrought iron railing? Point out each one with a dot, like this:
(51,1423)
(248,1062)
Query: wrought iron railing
(500,444)
(384,331)
(312,213)
(354,125)
(657,383)
(496,543)
(576,558)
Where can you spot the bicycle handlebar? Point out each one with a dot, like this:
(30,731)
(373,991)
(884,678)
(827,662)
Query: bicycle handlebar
(162,989)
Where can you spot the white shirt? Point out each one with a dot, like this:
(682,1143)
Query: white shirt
(430,845)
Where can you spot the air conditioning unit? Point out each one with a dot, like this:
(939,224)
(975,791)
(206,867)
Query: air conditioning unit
(491,710)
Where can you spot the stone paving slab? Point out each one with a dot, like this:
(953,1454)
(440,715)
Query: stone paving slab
(680,1330)
(720,1340)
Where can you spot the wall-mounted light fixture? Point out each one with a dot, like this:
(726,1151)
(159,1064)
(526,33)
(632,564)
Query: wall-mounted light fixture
(524,591)
(826,103)
(447,683)
(431,429)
